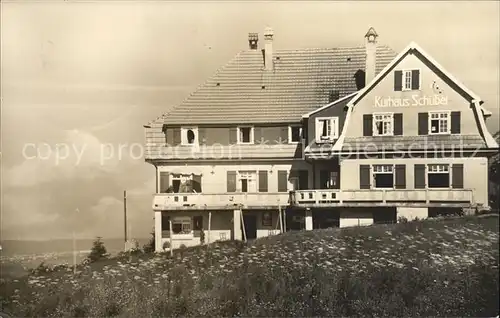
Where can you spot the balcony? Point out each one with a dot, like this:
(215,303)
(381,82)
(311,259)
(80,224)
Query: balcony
(222,201)
(345,198)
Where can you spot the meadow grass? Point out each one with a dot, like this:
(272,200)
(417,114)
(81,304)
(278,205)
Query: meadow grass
(445,267)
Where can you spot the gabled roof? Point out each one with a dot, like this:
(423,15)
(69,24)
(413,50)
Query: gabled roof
(399,57)
(345,98)
(243,92)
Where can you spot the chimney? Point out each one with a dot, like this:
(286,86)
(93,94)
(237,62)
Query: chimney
(253,39)
(268,49)
(371,52)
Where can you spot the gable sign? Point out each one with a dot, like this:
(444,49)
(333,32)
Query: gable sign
(414,100)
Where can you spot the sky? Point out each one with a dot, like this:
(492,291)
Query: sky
(80,79)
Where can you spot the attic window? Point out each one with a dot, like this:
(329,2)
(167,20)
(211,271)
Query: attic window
(218,84)
(263,87)
(348,59)
(278,58)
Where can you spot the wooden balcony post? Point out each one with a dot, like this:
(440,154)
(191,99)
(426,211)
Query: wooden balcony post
(243,226)
(280,218)
(171,241)
(308,220)
(209,226)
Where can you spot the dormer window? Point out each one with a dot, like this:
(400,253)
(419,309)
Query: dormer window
(327,129)
(245,135)
(189,136)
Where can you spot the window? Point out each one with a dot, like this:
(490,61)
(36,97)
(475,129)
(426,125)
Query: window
(327,129)
(267,219)
(245,135)
(181,225)
(383,124)
(438,176)
(294,133)
(189,136)
(247,181)
(406,80)
(185,183)
(383,176)
(439,123)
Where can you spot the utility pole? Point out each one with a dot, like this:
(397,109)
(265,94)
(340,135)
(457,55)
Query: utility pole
(125,215)
(74,242)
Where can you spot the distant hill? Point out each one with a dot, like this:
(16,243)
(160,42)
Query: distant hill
(21,247)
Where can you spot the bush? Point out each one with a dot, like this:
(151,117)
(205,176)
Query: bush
(98,251)
(150,246)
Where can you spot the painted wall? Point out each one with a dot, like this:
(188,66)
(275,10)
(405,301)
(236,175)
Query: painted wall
(385,88)
(355,218)
(337,110)
(475,172)
(214,178)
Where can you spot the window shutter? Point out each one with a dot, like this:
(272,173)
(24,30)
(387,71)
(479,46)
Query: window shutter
(423,124)
(284,134)
(233,135)
(231,181)
(197,183)
(415,79)
(164,181)
(419,175)
(367,125)
(457,176)
(303,180)
(263,181)
(400,177)
(176,136)
(455,122)
(398,81)
(282,181)
(398,124)
(202,135)
(257,134)
(364,176)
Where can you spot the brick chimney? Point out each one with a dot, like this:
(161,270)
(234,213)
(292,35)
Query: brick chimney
(268,49)
(371,52)
(253,39)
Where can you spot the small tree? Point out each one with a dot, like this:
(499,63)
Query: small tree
(98,250)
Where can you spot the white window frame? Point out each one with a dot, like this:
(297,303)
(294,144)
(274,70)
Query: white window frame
(334,129)
(432,168)
(249,175)
(290,133)
(184,139)
(251,135)
(183,220)
(408,73)
(385,117)
(448,122)
(383,169)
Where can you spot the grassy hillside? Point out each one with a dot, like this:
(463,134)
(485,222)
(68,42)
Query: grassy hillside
(446,267)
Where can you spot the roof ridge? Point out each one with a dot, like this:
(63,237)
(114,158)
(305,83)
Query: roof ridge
(200,86)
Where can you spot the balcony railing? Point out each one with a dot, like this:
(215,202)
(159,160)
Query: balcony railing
(183,201)
(337,197)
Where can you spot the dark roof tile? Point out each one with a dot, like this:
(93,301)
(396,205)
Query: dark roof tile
(300,82)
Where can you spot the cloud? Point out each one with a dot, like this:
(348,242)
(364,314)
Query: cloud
(80,155)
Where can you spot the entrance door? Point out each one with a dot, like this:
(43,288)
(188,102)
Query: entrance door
(250,226)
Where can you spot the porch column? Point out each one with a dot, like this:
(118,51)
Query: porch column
(309,219)
(237,225)
(158,229)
